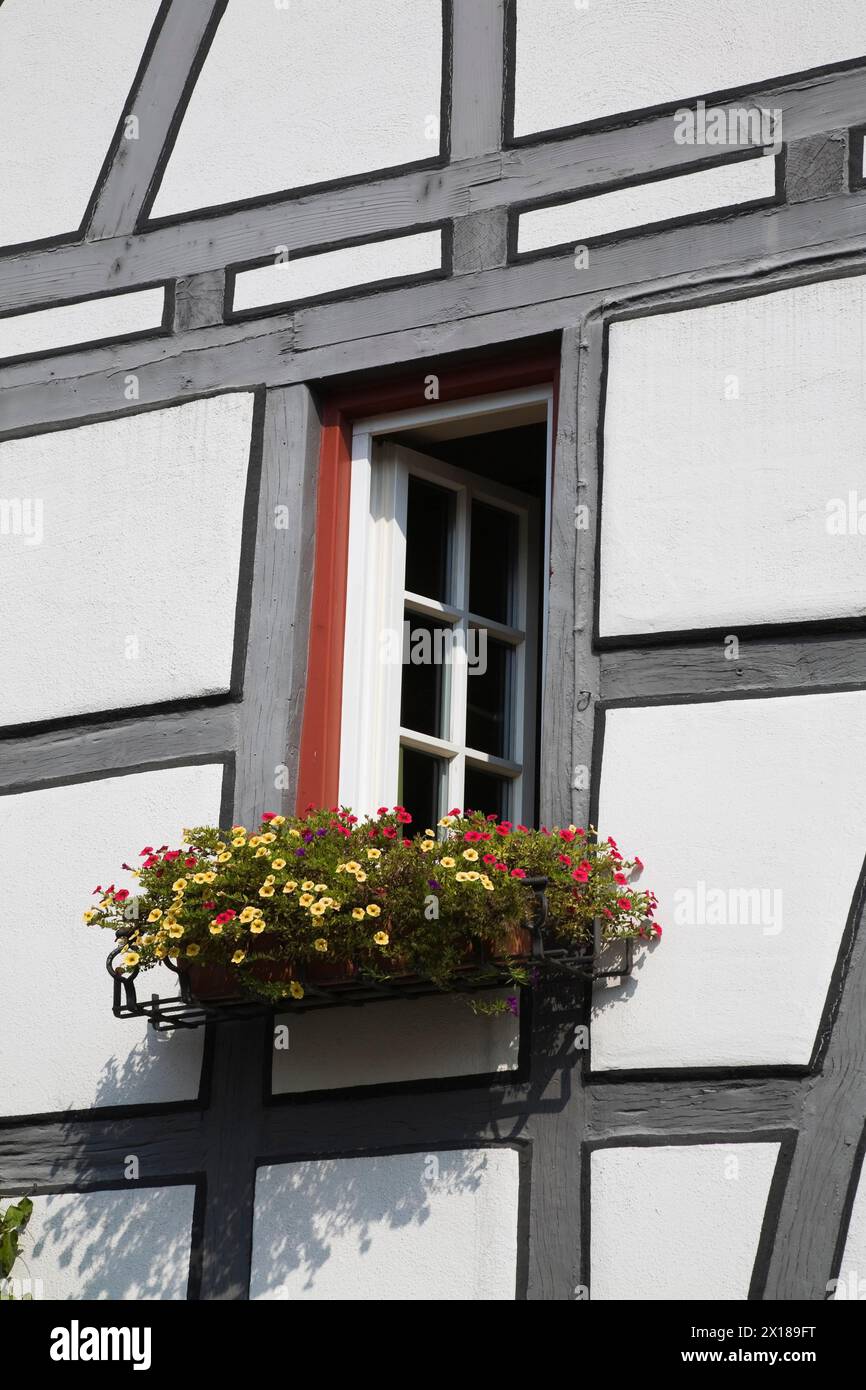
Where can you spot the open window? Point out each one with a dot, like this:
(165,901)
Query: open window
(445,608)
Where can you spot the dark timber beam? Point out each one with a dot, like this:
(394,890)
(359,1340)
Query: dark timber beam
(167,76)
(496,179)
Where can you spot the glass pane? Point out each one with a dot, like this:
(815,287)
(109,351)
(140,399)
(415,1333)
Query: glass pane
(428,540)
(488,700)
(421,780)
(492,562)
(483,791)
(425,650)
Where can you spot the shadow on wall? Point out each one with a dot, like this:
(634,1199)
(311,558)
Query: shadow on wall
(313,1212)
(126,1242)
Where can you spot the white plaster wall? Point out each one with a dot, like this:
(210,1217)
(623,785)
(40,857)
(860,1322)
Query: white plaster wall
(60,1045)
(109,316)
(65,71)
(852,1271)
(408,1040)
(729,433)
(304,92)
(431,1227)
(579,60)
(763,794)
(583,218)
(678,1221)
(125,592)
(132,1244)
(310,276)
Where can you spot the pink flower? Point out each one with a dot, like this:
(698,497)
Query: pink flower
(486,859)
(518,873)
(564,858)
(121,895)
(382,811)
(566,835)
(620,878)
(148,849)
(171,854)
(269,815)
(624,903)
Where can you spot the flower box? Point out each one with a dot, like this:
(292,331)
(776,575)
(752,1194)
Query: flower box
(481,906)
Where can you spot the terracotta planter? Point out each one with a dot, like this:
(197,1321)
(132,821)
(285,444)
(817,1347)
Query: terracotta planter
(221,981)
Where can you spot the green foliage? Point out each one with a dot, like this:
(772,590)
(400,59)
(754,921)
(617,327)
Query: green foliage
(328,888)
(13,1223)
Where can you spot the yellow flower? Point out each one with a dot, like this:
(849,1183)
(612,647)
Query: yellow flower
(320,888)
(267,839)
(247,915)
(278,820)
(193,949)
(361,877)
(129,959)
(353,866)
(320,944)
(307,885)
(374,854)
(289,886)
(255,840)
(179,885)
(431,834)
(472,876)
(266,890)
(462,877)
(257,926)
(358,913)
(470,854)
(487,883)
(279,863)
(305,899)
(373,910)
(297,835)
(199,878)
(327,902)
(215,929)
(446,820)
(223,859)
(239,830)
(175,930)
(220,846)
(427,845)
(257,912)
(239,842)
(159,952)
(296,990)
(381,938)
(90,914)
(263,853)
(270,879)
(447,862)
(317,910)
(209,876)
(238,957)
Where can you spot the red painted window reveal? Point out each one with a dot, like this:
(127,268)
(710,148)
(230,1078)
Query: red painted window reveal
(319,771)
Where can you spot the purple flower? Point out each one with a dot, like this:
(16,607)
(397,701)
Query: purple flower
(321,832)
(308,835)
(300,851)
(433,884)
(512,1006)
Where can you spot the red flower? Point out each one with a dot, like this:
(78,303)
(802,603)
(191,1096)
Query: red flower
(121,895)
(351,820)
(272,815)
(620,878)
(493,817)
(502,868)
(518,873)
(506,825)
(657,929)
(190,863)
(580,876)
(170,855)
(624,903)
(149,863)
(580,830)
(524,828)
(148,849)
(455,811)
(382,811)
(564,858)
(389,832)
(208,906)
(611,841)
(484,834)
(503,829)
(566,835)
(471,835)
(606,912)
(371,834)
(489,859)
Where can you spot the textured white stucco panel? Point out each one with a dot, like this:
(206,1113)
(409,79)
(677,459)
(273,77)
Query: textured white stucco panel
(132,1244)
(65,71)
(678,1221)
(401,1041)
(311,276)
(733,434)
(584,218)
(109,316)
(734,795)
(119,552)
(434,1226)
(852,1271)
(310,91)
(580,60)
(60,1045)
